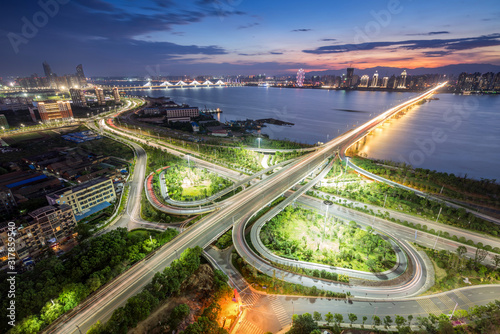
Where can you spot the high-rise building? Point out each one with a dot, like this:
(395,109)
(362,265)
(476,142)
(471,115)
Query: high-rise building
(375,80)
(54,110)
(402,80)
(116,94)
(78,97)
(99,93)
(49,75)
(81,76)
(3,122)
(46,69)
(349,77)
(301,75)
(365,79)
(385,81)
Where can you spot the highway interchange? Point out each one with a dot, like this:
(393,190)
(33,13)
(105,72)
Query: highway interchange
(237,210)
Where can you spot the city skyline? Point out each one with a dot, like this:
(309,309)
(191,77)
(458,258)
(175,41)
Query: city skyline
(241,37)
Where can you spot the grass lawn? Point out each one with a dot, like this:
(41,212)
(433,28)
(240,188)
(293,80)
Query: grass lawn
(143,233)
(194,191)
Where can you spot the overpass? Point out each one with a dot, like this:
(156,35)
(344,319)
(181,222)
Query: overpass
(207,230)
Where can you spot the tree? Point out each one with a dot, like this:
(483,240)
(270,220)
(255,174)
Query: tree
(496,260)
(364,320)
(400,321)
(303,324)
(328,318)
(178,314)
(352,318)
(317,316)
(410,318)
(480,256)
(387,321)
(376,321)
(338,318)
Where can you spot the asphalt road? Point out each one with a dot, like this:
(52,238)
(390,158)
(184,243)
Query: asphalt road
(207,230)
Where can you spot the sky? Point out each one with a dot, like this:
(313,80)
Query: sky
(220,37)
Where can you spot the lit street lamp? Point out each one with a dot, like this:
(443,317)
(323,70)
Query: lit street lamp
(327,205)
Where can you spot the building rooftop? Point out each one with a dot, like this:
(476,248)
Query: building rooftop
(57,194)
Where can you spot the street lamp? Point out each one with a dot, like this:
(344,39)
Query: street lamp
(327,205)
(258,139)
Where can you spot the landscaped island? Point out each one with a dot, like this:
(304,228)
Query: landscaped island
(297,233)
(190,183)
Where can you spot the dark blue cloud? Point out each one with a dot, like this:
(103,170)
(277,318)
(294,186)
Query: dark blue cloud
(97,32)
(301,30)
(250,25)
(430,33)
(447,44)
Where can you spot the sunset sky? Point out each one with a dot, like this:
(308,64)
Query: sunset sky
(174,37)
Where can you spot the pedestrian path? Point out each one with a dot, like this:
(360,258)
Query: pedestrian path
(247,327)
(280,312)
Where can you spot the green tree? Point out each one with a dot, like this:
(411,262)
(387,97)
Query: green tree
(364,320)
(352,318)
(399,321)
(376,321)
(302,324)
(338,318)
(178,314)
(328,318)
(387,321)
(317,316)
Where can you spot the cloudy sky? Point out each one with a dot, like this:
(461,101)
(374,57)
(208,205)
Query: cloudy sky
(175,37)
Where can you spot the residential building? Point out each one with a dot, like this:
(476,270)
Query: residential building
(365,79)
(385,81)
(99,93)
(375,80)
(81,76)
(45,226)
(85,198)
(78,97)
(402,80)
(116,94)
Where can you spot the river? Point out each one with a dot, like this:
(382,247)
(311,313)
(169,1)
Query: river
(456,134)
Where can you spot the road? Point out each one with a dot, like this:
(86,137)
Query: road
(207,230)
(420,193)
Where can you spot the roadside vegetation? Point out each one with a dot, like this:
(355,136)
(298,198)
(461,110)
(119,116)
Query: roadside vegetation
(164,286)
(297,233)
(484,192)
(407,201)
(477,320)
(283,144)
(453,270)
(61,283)
(226,240)
(275,284)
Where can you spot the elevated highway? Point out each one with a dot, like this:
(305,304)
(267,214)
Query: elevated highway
(207,230)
